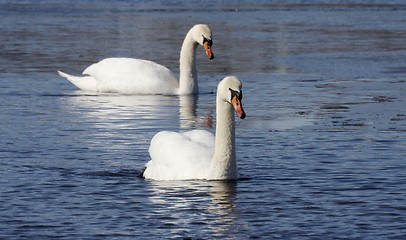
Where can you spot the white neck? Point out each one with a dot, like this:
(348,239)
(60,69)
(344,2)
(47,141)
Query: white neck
(223,165)
(187,66)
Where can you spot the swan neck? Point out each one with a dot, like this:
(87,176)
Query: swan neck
(187,66)
(224,165)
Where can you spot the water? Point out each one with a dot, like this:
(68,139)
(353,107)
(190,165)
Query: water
(321,153)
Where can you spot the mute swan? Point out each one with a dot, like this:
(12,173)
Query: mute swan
(197,154)
(137,76)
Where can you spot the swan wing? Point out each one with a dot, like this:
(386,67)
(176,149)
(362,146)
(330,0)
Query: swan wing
(180,156)
(132,76)
(85,83)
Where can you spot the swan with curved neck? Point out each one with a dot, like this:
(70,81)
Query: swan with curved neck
(137,76)
(197,154)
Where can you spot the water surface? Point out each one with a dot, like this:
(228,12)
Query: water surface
(321,153)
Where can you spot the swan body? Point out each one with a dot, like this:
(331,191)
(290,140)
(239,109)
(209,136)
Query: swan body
(198,154)
(138,76)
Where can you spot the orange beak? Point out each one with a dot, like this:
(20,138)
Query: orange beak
(207,48)
(237,104)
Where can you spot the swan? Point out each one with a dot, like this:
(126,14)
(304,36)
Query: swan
(197,154)
(138,76)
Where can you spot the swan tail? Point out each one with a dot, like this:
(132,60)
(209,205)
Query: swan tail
(87,83)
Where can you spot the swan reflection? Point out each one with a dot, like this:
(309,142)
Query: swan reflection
(208,203)
(119,109)
(223,206)
(188,113)
(187,110)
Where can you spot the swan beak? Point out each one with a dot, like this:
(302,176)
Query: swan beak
(207,48)
(237,104)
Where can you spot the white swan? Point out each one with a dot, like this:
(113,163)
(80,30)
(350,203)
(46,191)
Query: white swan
(137,76)
(197,154)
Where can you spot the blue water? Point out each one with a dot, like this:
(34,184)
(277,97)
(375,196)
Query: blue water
(321,154)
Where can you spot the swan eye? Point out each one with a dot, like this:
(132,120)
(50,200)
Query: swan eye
(237,94)
(208,40)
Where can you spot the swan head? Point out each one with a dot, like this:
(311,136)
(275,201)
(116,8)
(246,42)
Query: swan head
(230,91)
(201,34)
